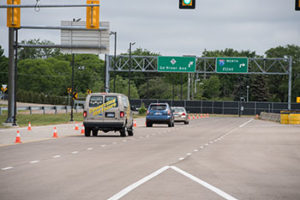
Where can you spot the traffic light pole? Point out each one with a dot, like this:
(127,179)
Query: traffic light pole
(11,118)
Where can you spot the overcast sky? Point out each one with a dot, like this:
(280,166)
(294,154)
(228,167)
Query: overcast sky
(161,27)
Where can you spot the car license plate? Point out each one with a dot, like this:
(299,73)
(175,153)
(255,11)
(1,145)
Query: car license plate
(110,115)
(158,113)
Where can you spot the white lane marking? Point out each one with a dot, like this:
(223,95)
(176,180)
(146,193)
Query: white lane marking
(181,159)
(196,150)
(56,156)
(188,154)
(201,147)
(244,124)
(124,140)
(6,168)
(114,143)
(205,184)
(75,152)
(34,161)
(90,149)
(103,145)
(138,183)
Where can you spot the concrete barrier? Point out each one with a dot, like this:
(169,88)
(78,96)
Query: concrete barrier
(270,116)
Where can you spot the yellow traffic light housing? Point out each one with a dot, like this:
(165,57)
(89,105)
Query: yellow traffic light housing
(187,4)
(92,15)
(13,14)
(297,5)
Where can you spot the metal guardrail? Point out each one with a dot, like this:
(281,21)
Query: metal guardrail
(43,108)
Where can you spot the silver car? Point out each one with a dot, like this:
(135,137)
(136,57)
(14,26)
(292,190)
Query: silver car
(180,115)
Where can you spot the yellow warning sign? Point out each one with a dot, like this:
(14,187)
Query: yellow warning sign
(298,99)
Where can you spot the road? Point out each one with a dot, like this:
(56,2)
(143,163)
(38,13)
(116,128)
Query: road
(211,158)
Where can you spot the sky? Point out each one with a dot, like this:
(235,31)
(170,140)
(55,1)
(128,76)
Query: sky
(161,27)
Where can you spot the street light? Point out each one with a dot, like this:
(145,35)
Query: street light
(248,93)
(115,56)
(130,66)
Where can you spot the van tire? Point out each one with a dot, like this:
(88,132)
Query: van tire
(87,132)
(95,132)
(130,131)
(123,132)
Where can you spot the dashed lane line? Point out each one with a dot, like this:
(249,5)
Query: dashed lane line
(6,168)
(34,162)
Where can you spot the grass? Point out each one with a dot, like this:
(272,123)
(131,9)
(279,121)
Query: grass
(40,119)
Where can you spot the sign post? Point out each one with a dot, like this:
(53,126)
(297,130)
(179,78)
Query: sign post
(232,65)
(176,64)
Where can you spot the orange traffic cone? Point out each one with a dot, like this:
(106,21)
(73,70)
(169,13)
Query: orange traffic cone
(82,129)
(193,116)
(189,117)
(197,116)
(29,126)
(55,133)
(134,123)
(76,127)
(201,116)
(207,115)
(257,116)
(18,138)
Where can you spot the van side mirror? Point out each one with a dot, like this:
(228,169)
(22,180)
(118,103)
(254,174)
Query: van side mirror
(133,108)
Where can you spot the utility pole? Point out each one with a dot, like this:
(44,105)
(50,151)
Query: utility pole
(130,66)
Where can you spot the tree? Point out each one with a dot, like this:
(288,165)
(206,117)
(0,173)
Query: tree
(32,53)
(122,87)
(211,88)
(3,68)
(279,84)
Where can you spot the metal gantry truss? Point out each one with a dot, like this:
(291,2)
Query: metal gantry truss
(204,65)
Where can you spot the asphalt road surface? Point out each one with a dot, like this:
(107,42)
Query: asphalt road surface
(212,158)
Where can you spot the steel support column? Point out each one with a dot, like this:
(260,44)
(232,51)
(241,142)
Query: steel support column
(11,118)
(290,84)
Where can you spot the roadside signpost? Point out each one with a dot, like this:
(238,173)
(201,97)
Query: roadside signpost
(176,64)
(232,65)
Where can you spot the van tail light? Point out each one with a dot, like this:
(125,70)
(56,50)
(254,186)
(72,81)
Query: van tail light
(169,112)
(84,114)
(183,114)
(122,114)
(147,112)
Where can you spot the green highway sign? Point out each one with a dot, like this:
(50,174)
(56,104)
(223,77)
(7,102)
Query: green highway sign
(232,65)
(176,64)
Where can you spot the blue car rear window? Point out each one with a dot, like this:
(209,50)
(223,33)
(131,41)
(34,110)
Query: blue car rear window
(158,107)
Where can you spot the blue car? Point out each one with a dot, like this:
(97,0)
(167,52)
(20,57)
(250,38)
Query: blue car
(159,113)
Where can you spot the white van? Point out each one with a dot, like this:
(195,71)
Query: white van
(107,112)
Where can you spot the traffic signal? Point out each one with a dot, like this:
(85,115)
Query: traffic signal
(187,4)
(297,5)
(13,14)
(92,15)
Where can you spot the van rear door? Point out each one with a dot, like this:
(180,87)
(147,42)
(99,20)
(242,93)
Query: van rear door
(95,106)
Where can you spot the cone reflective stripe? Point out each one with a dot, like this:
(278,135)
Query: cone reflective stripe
(18,138)
(55,133)
(82,129)
(76,127)
(134,123)
(189,117)
(29,126)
